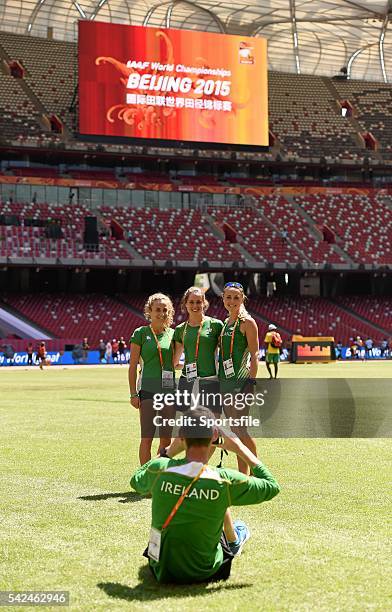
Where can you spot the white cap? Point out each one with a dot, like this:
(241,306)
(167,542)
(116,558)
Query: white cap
(271,327)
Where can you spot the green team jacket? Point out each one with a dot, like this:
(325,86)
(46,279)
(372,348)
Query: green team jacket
(190,548)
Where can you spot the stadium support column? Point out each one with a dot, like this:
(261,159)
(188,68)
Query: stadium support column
(25,280)
(78,281)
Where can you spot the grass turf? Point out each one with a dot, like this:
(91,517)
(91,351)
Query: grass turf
(68,520)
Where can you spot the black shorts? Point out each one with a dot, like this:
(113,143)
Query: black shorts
(209,394)
(147,413)
(223,573)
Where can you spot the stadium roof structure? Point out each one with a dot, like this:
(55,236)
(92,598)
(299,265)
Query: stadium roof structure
(304,36)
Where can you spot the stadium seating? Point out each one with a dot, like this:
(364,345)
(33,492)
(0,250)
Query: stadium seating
(305,118)
(50,66)
(171,234)
(77,316)
(284,216)
(372,108)
(311,316)
(18,116)
(25,241)
(378,310)
(363,225)
(40,171)
(71,317)
(259,239)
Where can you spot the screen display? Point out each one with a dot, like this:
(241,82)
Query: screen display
(312,350)
(166,84)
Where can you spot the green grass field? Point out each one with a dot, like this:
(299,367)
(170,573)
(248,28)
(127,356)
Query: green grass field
(69,521)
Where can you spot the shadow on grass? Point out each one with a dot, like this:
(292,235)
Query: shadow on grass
(148,589)
(128,497)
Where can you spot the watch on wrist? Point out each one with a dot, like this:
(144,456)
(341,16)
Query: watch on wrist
(132,395)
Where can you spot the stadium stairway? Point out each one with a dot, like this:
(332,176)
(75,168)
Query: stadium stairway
(352,120)
(29,93)
(219,233)
(314,230)
(273,227)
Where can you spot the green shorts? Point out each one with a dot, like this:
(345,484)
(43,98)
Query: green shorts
(272,357)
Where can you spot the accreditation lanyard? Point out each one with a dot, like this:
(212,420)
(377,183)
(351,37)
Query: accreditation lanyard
(167,375)
(228,365)
(154,544)
(198,337)
(182,497)
(158,346)
(231,341)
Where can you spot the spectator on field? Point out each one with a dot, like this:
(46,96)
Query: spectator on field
(85,349)
(273,343)
(30,352)
(368,346)
(121,349)
(360,353)
(101,350)
(353,348)
(41,355)
(115,350)
(77,354)
(108,352)
(9,353)
(193,537)
(384,347)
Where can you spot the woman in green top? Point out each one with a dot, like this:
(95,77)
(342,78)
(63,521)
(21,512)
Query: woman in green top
(152,346)
(198,338)
(238,359)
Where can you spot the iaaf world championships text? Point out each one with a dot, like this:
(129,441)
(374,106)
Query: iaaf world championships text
(138,65)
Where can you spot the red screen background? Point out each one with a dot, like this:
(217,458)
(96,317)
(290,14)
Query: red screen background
(104,109)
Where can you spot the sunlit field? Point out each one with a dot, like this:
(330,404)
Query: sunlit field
(69,521)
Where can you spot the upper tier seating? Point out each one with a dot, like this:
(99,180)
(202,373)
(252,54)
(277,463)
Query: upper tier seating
(372,104)
(306,119)
(18,116)
(363,224)
(50,69)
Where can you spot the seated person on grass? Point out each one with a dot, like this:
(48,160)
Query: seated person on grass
(193,537)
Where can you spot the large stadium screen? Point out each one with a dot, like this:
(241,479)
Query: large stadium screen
(181,85)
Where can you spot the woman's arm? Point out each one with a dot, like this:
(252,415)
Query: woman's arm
(179,349)
(132,374)
(252,336)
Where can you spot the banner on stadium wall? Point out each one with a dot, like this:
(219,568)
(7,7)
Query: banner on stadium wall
(374,353)
(60,358)
(66,358)
(145,186)
(167,84)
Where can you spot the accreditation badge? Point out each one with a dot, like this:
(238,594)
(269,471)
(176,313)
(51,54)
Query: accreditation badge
(154,544)
(191,371)
(167,379)
(228,368)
